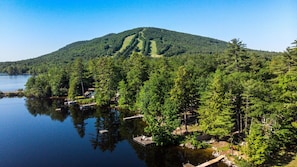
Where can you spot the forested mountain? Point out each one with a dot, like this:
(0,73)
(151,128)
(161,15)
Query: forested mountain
(153,42)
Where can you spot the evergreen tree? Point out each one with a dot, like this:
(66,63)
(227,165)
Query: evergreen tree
(77,76)
(235,57)
(135,77)
(105,81)
(160,113)
(257,144)
(215,114)
(183,92)
(123,91)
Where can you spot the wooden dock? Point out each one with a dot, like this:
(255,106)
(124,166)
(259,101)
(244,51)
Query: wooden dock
(143,140)
(208,163)
(103,131)
(133,117)
(87,106)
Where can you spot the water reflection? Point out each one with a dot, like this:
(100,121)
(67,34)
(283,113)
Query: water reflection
(47,107)
(106,120)
(93,121)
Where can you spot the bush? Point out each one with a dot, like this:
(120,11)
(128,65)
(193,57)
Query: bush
(192,139)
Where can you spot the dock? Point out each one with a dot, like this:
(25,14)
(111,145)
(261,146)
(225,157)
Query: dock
(144,140)
(133,117)
(208,163)
(70,103)
(87,106)
(103,131)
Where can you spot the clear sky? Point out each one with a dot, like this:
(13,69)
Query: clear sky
(31,28)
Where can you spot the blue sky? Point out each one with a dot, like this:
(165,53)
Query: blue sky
(31,28)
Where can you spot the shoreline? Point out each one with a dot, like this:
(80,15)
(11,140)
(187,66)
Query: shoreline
(18,93)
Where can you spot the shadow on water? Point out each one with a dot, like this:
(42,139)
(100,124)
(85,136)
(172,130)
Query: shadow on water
(118,130)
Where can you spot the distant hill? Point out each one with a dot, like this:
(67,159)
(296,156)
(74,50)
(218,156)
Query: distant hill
(148,41)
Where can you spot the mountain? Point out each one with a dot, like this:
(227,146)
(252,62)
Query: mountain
(148,41)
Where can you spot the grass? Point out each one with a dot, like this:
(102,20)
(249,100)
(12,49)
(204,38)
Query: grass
(126,42)
(154,49)
(140,44)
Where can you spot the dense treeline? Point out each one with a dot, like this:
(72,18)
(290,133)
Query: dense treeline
(236,92)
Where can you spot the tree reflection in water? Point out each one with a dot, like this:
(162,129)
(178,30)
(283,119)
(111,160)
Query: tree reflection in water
(106,119)
(47,107)
(118,130)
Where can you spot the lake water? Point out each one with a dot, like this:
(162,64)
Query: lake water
(12,82)
(34,134)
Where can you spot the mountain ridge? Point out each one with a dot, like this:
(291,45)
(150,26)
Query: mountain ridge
(149,41)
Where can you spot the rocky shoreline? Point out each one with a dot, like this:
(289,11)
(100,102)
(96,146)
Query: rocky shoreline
(215,153)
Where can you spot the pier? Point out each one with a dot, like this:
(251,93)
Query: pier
(133,117)
(143,140)
(87,106)
(208,163)
(103,131)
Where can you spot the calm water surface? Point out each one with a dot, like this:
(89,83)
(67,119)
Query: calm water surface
(12,82)
(34,134)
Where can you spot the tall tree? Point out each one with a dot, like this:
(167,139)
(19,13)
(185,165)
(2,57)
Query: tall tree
(122,102)
(77,76)
(58,81)
(105,80)
(183,92)
(135,77)
(215,114)
(257,144)
(159,112)
(234,58)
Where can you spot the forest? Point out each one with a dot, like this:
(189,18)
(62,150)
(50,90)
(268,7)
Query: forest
(237,91)
(146,41)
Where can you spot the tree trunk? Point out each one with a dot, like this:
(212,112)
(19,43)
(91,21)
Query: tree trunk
(246,113)
(82,87)
(185,118)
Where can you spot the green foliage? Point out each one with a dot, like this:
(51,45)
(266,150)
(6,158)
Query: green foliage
(192,139)
(77,77)
(105,81)
(237,90)
(135,77)
(168,43)
(215,111)
(123,91)
(159,112)
(257,144)
(38,86)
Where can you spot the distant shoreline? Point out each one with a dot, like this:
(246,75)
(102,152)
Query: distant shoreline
(18,93)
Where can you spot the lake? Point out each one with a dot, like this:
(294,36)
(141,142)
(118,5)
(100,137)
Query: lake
(34,134)
(12,82)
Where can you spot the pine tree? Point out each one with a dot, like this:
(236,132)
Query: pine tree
(160,113)
(183,92)
(123,91)
(135,77)
(257,144)
(76,82)
(105,84)
(215,114)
